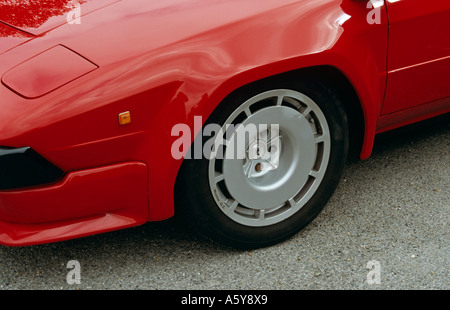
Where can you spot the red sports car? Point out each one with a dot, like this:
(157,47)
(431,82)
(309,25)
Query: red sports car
(235,115)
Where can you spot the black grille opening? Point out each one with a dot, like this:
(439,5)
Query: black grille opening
(23,167)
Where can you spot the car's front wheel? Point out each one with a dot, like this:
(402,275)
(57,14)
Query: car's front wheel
(272,167)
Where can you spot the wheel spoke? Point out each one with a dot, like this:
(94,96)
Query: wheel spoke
(291,202)
(260,214)
(219,177)
(280,100)
(318,138)
(233,206)
(306,111)
(314,174)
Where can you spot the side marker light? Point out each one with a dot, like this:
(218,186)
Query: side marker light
(125,118)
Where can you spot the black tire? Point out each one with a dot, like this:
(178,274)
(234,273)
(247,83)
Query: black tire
(198,208)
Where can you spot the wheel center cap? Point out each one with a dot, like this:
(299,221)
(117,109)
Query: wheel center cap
(263,154)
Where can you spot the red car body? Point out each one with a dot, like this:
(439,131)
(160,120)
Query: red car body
(65,84)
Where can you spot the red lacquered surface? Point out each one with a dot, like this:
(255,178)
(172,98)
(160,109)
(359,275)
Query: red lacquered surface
(159,63)
(38,17)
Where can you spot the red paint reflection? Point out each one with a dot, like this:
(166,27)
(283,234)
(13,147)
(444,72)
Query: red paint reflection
(25,14)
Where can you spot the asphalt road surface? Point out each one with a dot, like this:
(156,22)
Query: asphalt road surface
(385,228)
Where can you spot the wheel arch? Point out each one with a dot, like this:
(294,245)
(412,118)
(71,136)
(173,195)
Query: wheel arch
(334,78)
(330,76)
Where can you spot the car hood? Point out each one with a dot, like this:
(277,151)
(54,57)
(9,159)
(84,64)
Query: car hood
(11,37)
(38,17)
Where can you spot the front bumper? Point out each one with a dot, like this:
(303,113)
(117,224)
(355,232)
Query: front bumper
(81,203)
